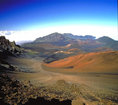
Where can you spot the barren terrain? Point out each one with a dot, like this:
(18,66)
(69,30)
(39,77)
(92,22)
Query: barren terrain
(90,88)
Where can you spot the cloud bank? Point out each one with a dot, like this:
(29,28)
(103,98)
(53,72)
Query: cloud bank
(31,35)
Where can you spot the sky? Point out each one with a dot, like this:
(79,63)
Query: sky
(28,19)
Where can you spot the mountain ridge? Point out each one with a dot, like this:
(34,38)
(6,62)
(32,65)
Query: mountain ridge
(53,46)
(67,38)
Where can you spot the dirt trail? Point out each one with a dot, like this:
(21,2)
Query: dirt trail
(37,73)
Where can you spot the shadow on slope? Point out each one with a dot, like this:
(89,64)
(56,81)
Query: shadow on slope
(42,101)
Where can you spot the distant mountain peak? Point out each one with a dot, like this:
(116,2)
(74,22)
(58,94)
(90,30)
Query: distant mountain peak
(53,37)
(109,42)
(86,43)
(105,38)
(86,37)
(56,37)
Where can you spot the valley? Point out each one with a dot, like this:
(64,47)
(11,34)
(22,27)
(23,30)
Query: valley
(73,69)
(90,88)
(58,52)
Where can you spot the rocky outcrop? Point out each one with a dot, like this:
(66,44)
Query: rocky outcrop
(8,48)
(42,101)
(13,92)
(7,67)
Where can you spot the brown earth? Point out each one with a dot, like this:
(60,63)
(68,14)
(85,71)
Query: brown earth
(106,62)
(92,88)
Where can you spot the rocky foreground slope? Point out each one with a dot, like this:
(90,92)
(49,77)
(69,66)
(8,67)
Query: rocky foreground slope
(14,92)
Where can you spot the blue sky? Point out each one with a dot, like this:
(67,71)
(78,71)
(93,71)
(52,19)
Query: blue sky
(28,15)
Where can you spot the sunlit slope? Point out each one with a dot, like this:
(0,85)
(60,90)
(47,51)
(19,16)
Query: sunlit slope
(90,62)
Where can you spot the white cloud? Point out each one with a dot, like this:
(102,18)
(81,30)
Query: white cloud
(19,35)
(6,32)
(97,31)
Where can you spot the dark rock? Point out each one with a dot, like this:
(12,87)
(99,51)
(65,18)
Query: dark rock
(15,92)
(3,103)
(8,48)
(42,101)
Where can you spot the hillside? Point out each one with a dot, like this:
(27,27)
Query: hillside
(7,49)
(54,38)
(86,37)
(57,46)
(85,43)
(91,62)
(57,41)
(110,43)
(33,82)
